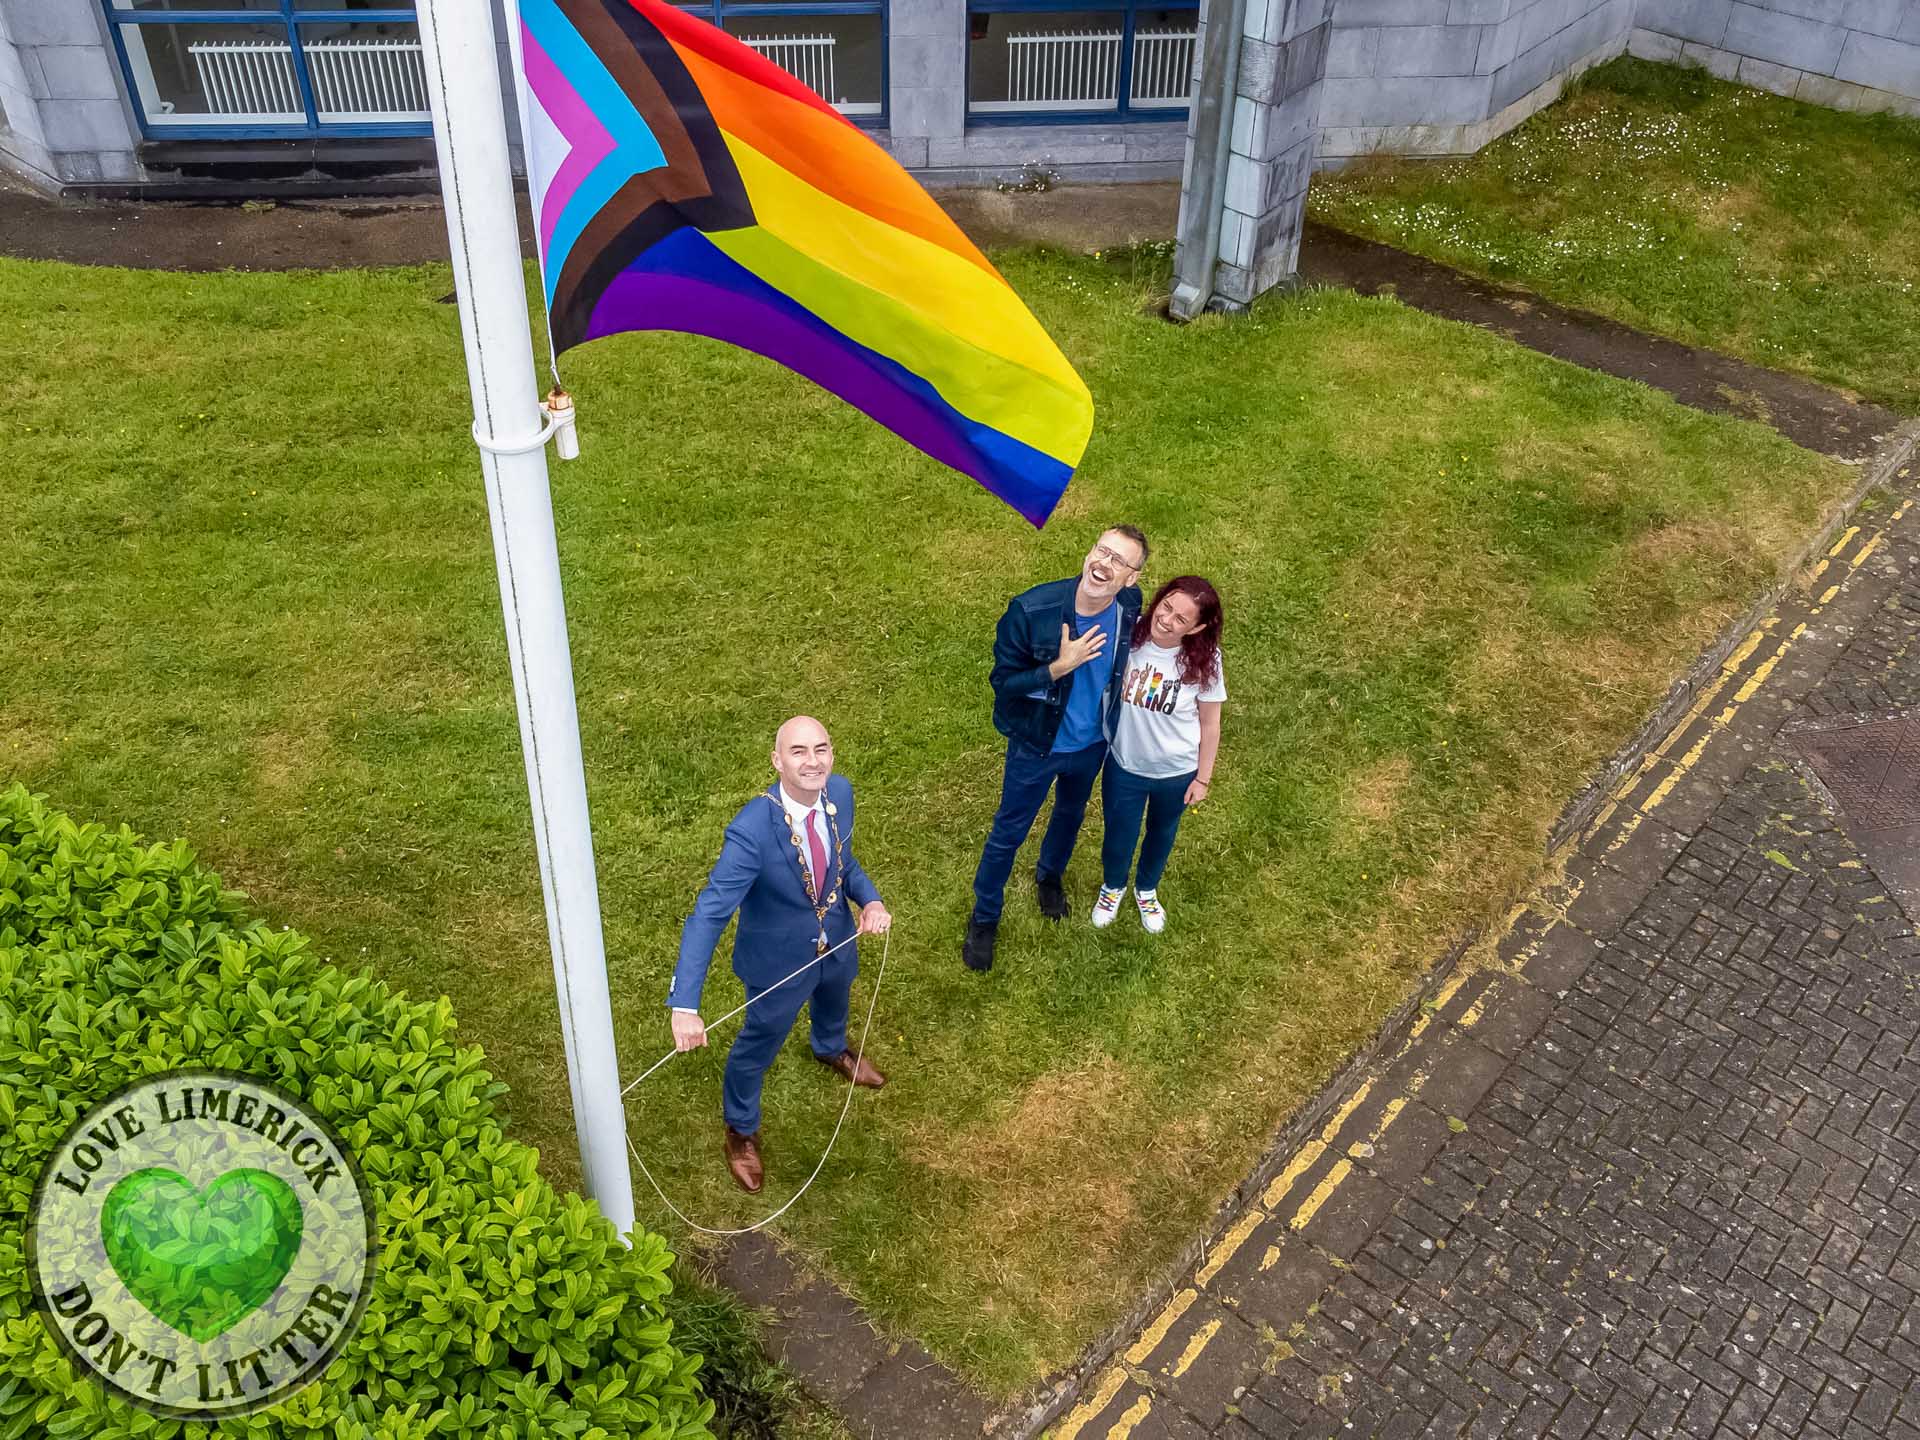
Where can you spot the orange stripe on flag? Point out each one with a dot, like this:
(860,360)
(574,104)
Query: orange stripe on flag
(819,152)
(708,41)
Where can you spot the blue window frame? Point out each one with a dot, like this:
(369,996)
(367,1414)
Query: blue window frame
(1080,61)
(836,48)
(272,68)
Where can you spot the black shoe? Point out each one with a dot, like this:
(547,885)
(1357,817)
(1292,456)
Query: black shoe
(1053,896)
(977,949)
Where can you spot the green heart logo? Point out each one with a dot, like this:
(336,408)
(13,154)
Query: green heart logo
(201,1260)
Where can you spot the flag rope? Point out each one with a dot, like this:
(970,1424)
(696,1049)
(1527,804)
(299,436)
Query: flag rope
(886,946)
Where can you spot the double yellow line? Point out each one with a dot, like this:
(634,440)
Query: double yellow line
(1303,1160)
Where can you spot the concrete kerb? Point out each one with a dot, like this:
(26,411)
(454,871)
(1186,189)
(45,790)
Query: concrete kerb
(1878,469)
(1030,1415)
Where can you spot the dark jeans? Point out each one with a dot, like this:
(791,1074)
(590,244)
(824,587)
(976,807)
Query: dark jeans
(1124,797)
(1030,775)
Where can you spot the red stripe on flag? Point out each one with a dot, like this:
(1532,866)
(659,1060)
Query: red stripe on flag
(714,44)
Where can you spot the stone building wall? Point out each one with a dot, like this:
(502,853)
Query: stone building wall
(1443,77)
(1420,77)
(67,119)
(1845,54)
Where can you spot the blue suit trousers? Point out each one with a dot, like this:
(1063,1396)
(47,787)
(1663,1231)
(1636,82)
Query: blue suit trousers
(826,990)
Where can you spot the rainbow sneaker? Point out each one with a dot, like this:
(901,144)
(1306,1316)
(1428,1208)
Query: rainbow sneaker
(1151,915)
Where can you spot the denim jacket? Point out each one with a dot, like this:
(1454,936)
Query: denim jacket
(1028,703)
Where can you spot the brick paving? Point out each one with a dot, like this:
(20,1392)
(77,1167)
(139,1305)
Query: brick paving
(1653,1172)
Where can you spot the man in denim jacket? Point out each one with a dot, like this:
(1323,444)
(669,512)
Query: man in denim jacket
(1059,655)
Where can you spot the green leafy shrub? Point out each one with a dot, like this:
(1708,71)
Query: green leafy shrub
(499,1309)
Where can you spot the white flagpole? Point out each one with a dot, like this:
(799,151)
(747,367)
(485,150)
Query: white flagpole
(476,181)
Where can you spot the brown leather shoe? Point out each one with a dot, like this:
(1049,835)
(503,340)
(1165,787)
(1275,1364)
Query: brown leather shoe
(743,1160)
(857,1069)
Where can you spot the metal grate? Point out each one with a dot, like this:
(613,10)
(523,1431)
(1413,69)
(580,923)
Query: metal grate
(1872,770)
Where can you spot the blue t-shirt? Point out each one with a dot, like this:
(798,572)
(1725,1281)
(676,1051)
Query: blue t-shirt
(1080,726)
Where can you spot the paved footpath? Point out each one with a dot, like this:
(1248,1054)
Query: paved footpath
(1652,1173)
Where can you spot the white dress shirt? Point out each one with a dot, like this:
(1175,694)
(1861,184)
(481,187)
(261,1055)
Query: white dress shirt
(797,814)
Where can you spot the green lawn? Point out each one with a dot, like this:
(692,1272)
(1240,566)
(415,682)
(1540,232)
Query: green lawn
(250,599)
(1779,232)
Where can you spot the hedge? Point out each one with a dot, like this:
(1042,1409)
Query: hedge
(500,1308)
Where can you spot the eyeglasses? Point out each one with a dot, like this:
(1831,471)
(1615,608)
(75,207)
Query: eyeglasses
(1125,562)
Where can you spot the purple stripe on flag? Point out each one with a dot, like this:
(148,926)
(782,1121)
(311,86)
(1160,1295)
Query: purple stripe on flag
(725,302)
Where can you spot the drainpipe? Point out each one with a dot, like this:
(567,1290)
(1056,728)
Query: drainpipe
(1206,179)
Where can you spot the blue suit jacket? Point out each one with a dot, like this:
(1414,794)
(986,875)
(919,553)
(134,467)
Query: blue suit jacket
(759,874)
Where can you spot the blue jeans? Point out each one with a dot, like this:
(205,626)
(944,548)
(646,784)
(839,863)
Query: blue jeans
(825,990)
(1030,775)
(1124,798)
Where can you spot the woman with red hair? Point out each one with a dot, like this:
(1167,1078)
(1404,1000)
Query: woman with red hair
(1165,734)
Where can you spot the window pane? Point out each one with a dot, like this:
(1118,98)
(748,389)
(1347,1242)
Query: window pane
(1164,45)
(838,57)
(1066,60)
(270,5)
(353,4)
(366,74)
(214,74)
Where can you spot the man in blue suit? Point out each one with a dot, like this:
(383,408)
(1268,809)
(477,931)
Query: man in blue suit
(787,866)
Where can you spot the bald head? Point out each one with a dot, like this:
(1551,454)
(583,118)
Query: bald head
(803,757)
(800,730)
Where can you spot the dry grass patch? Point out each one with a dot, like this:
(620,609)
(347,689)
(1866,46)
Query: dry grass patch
(999,1154)
(1690,542)
(283,764)
(1729,207)
(1050,1164)
(1376,790)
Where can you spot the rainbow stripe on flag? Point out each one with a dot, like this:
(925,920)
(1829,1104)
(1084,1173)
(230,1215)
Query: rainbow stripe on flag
(682,181)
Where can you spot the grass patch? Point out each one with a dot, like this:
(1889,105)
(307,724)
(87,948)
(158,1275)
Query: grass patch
(1770,229)
(250,599)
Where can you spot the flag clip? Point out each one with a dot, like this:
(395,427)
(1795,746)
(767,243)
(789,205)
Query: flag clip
(558,408)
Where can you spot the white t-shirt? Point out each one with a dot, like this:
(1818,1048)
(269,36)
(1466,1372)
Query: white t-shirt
(1156,726)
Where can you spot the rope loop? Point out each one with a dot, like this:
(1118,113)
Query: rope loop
(886,945)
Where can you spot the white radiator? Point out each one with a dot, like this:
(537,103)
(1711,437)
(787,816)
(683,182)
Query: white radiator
(354,81)
(1080,70)
(809,59)
(1162,68)
(367,81)
(249,80)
